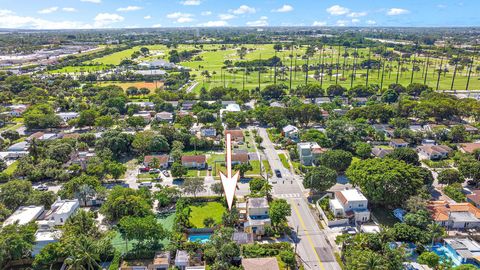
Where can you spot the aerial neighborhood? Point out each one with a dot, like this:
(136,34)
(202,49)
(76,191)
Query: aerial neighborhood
(355,149)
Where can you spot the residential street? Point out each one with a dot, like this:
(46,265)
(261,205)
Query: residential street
(313,246)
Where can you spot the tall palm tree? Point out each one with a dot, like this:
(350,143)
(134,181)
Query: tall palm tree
(373,262)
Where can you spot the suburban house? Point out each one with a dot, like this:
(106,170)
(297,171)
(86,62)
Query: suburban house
(231,108)
(322,100)
(350,203)
(474,198)
(82,157)
(156,64)
(197,161)
(277,104)
(42,136)
(162,161)
(243,238)
(455,215)
(146,115)
(208,132)
(466,250)
(18,147)
(45,237)
(381,152)
(184,261)
(235,134)
(161,261)
(16,110)
(24,215)
(164,117)
(290,132)
(239,158)
(257,216)
(471,129)
(143,104)
(59,212)
(398,143)
(269,263)
(434,152)
(66,116)
(308,152)
(469,147)
(187,105)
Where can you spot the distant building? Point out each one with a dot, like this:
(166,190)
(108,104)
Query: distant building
(308,152)
(434,152)
(231,108)
(236,135)
(455,215)
(164,117)
(156,64)
(466,250)
(187,105)
(59,212)
(67,116)
(290,132)
(45,237)
(398,143)
(381,152)
(197,161)
(42,136)
(270,263)
(18,147)
(182,259)
(146,115)
(257,216)
(239,158)
(208,132)
(162,161)
(474,198)
(350,203)
(469,147)
(24,215)
(242,238)
(143,104)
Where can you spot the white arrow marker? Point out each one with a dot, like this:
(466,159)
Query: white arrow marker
(229,183)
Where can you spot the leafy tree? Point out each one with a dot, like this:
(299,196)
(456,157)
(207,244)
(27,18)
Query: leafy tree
(279,211)
(450,176)
(363,150)
(408,155)
(320,178)
(142,229)
(16,242)
(4,212)
(431,259)
(3,165)
(344,133)
(314,135)
(87,118)
(209,222)
(458,134)
(126,202)
(256,184)
(15,193)
(104,121)
(12,135)
(336,90)
(194,186)
(117,142)
(81,187)
(178,170)
(221,250)
(115,169)
(338,160)
(45,198)
(385,181)
(40,116)
(243,168)
(136,122)
(465,267)
(273,91)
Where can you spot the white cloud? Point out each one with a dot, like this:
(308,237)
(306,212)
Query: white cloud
(8,19)
(92,1)
(284,8)
(106,19)
(354,21)
(157,25)
(397,11)
(357,14)
(261,22)
(48,10)
(225,17)
(180,17)
(337,10)
(69,9)
(319,23)
(442,6)
(206,13)
(191,2)
(371,22)
(342,22)
(214,24)
(148,17)
(243,9)
(129,8)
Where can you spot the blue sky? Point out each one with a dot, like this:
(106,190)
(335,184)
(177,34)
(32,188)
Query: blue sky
(69,14)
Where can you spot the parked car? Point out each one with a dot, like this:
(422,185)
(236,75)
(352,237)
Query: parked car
(144,169)
(146,185)
(165,172)
(209,168)
(278,173)
(154,171)
(41,187)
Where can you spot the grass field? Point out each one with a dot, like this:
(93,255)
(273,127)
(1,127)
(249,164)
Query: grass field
(124,85)
(201,211)
(11,169)
(119,244)
(283,159)
(116,58)
(79,69)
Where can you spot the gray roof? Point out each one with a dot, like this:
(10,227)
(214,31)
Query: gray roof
(181,256)
(243,238)
(257,202)
(463,217)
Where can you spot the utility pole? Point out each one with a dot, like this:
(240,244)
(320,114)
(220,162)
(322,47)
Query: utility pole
(368,66)
(413,67)
(306,73)
(399,66)
(471,66)
(354,67)
(426,70)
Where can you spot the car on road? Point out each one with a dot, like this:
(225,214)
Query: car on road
(154,171)
(165,172)
(278,173)
(41,187)
(146,185)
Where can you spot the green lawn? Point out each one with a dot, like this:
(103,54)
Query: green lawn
(201,211)
(284,160)
(11,169)
(266,166)
(384,216)
(119,244)
(192,173)
(116,58)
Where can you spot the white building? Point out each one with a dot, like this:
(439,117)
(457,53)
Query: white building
(43,238)
(308,152)
(60,211)
(290,132)
(350,203)
(24,215)
(257,216)
(66,116)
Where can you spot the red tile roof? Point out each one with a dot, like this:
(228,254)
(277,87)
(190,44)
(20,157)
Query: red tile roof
(440,210)
(234,133)
(469,147)
(161,158)
(196,159)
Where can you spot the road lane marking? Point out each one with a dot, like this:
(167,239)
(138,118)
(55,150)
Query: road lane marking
(302,223)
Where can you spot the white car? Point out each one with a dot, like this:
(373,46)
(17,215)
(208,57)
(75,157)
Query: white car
(41,187)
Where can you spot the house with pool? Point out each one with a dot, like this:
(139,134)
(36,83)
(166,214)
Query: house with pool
(460,251)
(256,215)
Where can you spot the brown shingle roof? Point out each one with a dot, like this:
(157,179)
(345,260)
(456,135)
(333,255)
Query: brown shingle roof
(260,264)
(340,197)
(161,158)
(234,133)
(469,147)
(240,157)
(197,159)
(474,197)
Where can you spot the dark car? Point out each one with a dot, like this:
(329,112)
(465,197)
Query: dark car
(278,173)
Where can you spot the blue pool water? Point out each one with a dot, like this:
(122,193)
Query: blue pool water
(445,252)
(202,238)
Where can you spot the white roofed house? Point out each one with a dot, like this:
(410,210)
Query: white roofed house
(59,212)
(290,132)
(257,216)
(146,115)
(164,117)
(67,116)
(24,215)
(308,152)
(434,152)
(350,203)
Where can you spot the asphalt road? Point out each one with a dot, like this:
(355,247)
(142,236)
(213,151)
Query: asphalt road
(313,245)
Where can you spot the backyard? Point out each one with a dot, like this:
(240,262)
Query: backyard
(201,211)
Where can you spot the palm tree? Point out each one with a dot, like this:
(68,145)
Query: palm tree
(372,262)
(84,192)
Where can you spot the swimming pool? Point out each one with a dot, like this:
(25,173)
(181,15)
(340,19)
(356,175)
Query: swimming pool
(444,252)
(202,238)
